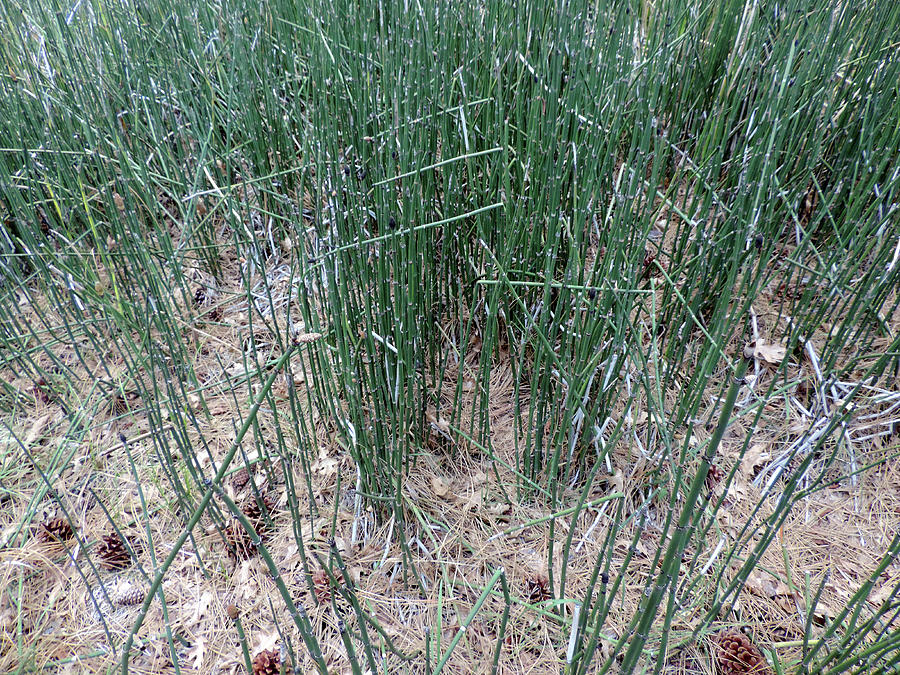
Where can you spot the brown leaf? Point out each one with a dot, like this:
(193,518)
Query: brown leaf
(765,585)
(36,430)
(823,613)
(884,592)
(325,465)
(197,652)
(756,455)
(773,354)
(472,502)
(440,486)
(499,509)
(7,616)
(201,610)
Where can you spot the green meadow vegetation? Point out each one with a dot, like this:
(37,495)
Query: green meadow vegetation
(406,336)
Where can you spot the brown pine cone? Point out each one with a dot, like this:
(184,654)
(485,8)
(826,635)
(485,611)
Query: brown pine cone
(714,476)
(240,544)
(737,655)
(239,540)
(56,529)
(129,597)
(240,479)
(121,403)
(538,588)
(113,553)
(322,587)
(267,662)
(254,513)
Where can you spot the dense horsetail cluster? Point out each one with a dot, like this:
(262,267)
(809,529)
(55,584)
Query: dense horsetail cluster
(287,287)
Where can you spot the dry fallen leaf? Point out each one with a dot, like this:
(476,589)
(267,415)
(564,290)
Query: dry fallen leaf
(197,652)
(195,402)
(36,430)
(772,354)
(325,465)
(473,502)
(268,642)
(248,580)
(765,585)
(342,544)
(499,509)
(756,456)
(884,592)
(356,573)
(7,615)
(236,369)
(824,613)
(617,481)
(440,486)
(202,608)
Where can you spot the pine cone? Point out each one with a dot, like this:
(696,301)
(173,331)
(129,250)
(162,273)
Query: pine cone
(538,588)
(122,402)
(267,662)
(129,597)
(240,544)
(56,529)
(113,553)
(239,540)
(714,476)
(254,513)
(737,655)
(240,479)
(322,587)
